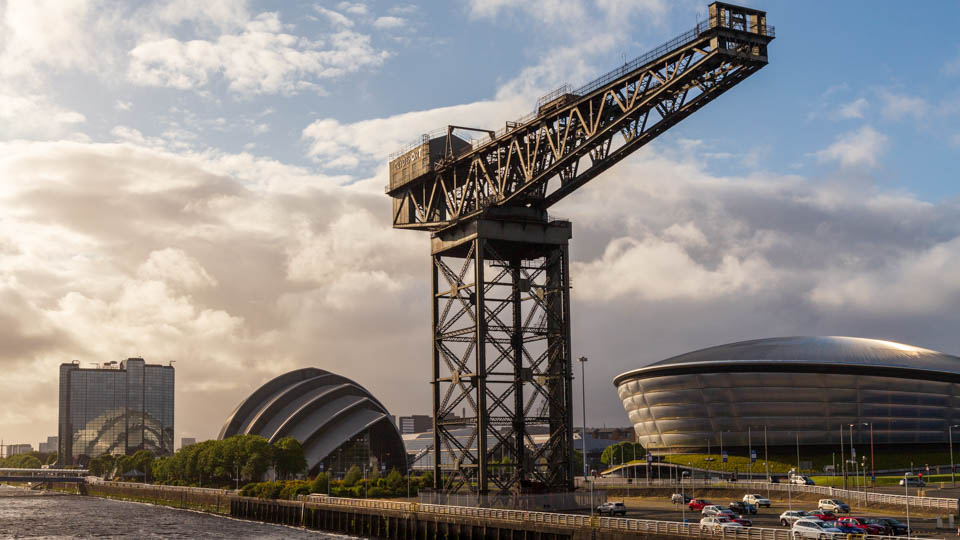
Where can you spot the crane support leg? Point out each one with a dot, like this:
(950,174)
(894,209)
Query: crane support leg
(502,383)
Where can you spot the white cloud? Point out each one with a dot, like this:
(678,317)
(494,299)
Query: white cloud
(952,66)
(855,148)
(176,267)
(854,109)
(388,22)
(262,59)
(336,18)
(28,114)
(355,8)
(897,106)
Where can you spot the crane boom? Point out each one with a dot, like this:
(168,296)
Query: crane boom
(574,135)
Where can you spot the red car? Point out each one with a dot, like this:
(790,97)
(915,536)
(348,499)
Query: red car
(861,524)
(822,515)
(743,521)
(698,504)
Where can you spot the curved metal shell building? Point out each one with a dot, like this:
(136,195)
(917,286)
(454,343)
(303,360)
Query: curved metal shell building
(339,423)
(801,389)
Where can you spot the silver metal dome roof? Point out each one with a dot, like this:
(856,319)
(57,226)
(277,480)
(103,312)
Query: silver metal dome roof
(830,352)
(320,409)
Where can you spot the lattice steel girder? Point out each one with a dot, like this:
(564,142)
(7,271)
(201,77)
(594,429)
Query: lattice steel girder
(573,138)
(501,355)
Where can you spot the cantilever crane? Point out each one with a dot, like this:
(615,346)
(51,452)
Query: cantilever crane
(501,304)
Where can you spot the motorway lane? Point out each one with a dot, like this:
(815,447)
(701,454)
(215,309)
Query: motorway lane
(663,510)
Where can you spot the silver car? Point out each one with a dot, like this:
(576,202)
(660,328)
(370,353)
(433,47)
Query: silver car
(787,518)
(813,529)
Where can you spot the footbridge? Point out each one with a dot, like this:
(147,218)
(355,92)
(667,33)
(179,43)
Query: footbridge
(39,477)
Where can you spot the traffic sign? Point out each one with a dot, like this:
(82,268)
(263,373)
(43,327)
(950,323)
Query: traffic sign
(723,456)
(753,456)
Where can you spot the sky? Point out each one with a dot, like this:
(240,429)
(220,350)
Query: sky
(202,183)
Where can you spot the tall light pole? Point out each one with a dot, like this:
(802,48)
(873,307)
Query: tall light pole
(750,451)
(722,466)
(906,498)
(953,477)
(843,459)
(766,459)
(873,466)
(683,497)
(583,436)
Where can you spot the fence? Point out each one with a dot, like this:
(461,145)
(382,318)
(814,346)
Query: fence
(667,528)
(208,499)
(573,500)
(867,497)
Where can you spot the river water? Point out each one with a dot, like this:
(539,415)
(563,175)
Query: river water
(29,515)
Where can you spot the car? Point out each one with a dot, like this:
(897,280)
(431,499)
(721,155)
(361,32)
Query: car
(822,515)
(802,480)
(812,528)
(718,523)
(680,498)
(717,510)
(740,507)
(743,521)
(788,517)
(862,524)
(756,500)
(912,481)
(698,504)
(834,505)
(612,508)
(844,528)
(893,527)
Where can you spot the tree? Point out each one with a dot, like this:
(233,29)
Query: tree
(51,459)
(288,458)
(320,483)
(621,452)
(395,481)
(353,476)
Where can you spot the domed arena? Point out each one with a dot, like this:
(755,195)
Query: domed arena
(799,390)
(339,423)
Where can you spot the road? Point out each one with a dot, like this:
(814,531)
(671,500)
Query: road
(663,510)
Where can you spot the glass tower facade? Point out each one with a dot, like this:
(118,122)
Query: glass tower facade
(115,410)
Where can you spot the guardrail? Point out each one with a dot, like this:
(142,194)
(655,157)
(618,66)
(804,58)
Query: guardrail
(934,503)
(171,489)
(671,528)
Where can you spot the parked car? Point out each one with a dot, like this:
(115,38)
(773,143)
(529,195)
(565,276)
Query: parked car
(756,500)
(740,507)
(822,515)
(717,510)
(612,508)
(788,517)
(834,505)
(862,524)
(718,523)
(802,480)
(844,528)
(812,528)
(912,481)
(893,527)
(678,498)
(698,504)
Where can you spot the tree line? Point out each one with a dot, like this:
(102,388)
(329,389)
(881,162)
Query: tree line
(215,463)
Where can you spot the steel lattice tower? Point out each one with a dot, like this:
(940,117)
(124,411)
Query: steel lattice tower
(500,264)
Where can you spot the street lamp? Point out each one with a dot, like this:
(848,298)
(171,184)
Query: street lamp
(583,437)
(683,497)
(873,467)
(953,476)
(906,498)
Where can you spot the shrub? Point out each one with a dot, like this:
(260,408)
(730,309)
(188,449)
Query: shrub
(319,484)
(353,476)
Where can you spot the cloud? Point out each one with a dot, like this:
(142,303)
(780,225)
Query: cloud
(856,148)
(335,18)
(388,22)
(897,106)
(952,66)
(261,59)
(854,109)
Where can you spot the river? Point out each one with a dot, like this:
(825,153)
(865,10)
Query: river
(30,515)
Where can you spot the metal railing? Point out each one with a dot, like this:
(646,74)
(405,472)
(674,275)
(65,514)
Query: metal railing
(934,503)
(170,489)
(671,528)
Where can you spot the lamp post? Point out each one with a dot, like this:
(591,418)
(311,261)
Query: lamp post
(953,476)
(583,437)
(873,467)
(766,459)
(843,459)
(750,451)
(683,497)
(906,498)
(722,467)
